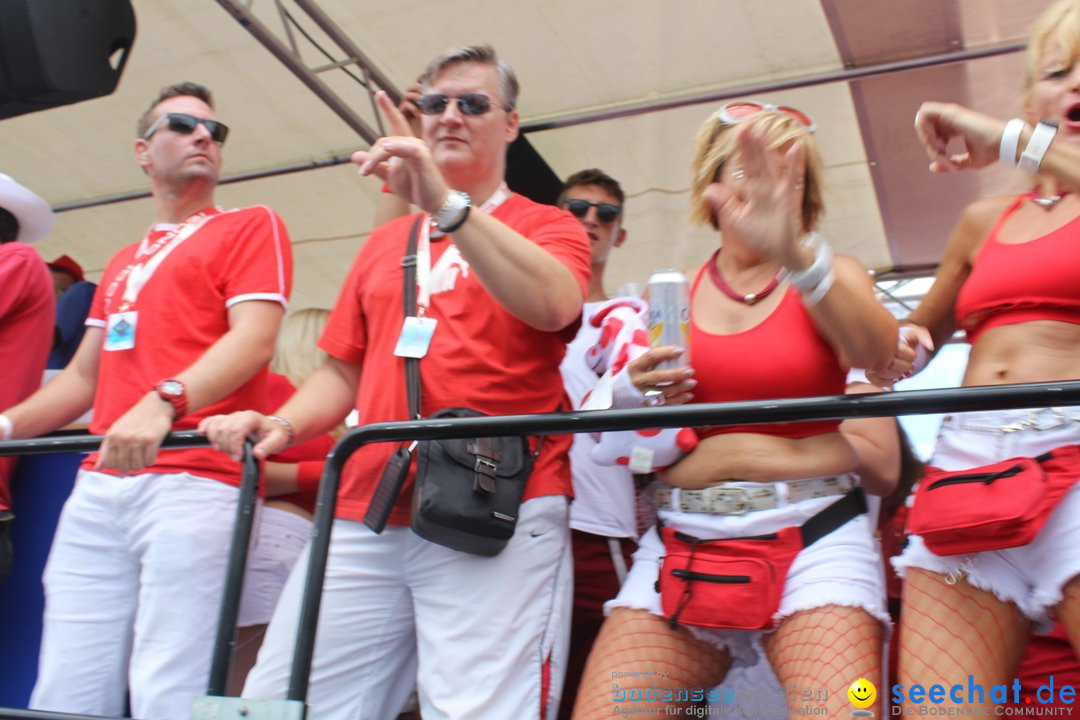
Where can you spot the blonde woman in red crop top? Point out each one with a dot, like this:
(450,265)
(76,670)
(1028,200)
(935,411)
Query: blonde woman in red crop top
(1009,278)
(774,314)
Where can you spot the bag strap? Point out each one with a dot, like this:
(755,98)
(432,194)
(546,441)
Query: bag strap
(389,486)
(412,365)
(833,517)
(836,515)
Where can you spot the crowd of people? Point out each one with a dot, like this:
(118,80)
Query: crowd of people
(761,558)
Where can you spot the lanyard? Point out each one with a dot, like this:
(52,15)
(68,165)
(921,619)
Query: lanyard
(138,273)
(423,250)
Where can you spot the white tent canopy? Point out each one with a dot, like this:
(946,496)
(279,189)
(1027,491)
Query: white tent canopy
(597,73)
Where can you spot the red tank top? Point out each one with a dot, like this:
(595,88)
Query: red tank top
(783,356)
(1022,282)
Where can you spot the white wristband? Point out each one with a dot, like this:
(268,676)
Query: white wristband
(1040,140)
(1010,140)
(818,294)
(811,280)
(6,428)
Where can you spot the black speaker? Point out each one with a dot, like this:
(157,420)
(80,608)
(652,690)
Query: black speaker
(57,52)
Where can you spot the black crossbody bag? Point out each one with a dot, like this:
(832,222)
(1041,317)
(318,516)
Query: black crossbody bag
(468,491)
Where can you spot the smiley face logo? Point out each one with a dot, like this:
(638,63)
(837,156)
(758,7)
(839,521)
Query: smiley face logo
(862,693)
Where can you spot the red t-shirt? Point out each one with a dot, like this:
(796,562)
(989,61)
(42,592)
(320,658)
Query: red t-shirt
(481,357)
(183,309)
(27,309)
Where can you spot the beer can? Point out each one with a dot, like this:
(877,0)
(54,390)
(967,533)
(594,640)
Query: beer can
(669,314)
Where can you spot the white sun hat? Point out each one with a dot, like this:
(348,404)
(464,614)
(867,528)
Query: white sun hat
(34,215)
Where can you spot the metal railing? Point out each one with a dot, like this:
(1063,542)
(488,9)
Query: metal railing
(833,407)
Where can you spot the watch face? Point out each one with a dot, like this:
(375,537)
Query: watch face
(172,387)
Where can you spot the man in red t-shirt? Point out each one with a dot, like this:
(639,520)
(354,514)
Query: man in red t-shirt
(505,286)
(26,319)
(181,327)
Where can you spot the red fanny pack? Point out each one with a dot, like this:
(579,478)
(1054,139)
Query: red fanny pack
(737,583)
(992,507)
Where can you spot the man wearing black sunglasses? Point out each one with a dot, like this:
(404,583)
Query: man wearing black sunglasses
(602,517)
(183,323)
(500,284)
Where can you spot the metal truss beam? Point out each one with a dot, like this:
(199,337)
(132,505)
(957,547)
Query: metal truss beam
(288,52)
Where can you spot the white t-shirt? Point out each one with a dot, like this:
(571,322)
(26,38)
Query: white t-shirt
(603,494)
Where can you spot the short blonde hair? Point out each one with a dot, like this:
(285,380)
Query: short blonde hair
(296,355)
(715,144)
(1059,23)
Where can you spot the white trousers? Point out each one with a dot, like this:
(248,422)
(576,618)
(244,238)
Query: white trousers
(132,591)
(473,634)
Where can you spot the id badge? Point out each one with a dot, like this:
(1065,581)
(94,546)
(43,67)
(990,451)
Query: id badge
(120,330)
(415,337)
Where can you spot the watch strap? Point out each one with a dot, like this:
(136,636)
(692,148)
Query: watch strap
(177,400)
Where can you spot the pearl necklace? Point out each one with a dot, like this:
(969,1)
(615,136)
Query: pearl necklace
(1049,201)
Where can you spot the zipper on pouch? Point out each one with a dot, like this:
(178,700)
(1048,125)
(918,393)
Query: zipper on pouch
(985,478)
(689,575)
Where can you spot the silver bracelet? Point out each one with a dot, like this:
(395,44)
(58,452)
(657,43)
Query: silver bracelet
(7,429)
(285,424)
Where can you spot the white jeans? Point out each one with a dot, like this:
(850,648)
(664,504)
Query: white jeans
(132,592)
(473,634)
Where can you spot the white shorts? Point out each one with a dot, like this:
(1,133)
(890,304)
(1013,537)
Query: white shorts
(1032,576)
(280,537)
(473,634)
(842,568)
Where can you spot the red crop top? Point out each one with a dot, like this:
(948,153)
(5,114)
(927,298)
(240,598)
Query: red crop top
(783,356)
(1022,282)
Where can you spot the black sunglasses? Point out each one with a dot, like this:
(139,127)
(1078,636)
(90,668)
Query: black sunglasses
(606,212)
(184,124)
(468,103)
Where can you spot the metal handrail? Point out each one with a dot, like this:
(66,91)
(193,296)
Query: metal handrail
(832,407)
(225,637)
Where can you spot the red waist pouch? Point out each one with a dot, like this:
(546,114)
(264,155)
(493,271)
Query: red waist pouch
(737,583)
(992,507)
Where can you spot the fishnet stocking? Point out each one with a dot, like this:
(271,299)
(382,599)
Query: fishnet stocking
(638,641)
(1068,612)
(951,631)
(820,652)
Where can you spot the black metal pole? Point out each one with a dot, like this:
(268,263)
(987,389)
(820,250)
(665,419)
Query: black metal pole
(84,443)
(225,643)
(832,407)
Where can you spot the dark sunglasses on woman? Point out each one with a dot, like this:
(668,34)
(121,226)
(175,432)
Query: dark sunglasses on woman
(184,124)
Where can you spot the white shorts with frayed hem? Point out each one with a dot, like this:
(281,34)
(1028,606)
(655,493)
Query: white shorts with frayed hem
(843,568)
(1033,576)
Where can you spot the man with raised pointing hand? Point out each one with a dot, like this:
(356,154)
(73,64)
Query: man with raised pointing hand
(500,298)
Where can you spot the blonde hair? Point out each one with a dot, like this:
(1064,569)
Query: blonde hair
(296,355)
(715,145)
(1059,23)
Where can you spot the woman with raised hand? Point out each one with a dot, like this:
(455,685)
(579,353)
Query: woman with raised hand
(763,544)
(1009,280)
